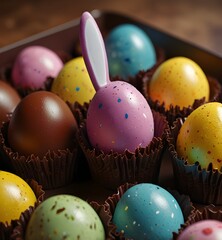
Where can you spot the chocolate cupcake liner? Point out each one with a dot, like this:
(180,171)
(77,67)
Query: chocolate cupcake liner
(175,112)
(205,213)
(54,170)
(106,219)
(79,111)
(204,186)
(184,201)
(82,171)
(4,163)
(7,231)
(113,169)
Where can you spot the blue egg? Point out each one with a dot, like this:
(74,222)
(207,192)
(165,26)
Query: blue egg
(129,50)
(147,211)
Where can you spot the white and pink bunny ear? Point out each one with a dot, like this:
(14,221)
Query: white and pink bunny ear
(93,51)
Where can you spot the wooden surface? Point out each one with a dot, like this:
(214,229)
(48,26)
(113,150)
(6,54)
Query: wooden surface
(197,21)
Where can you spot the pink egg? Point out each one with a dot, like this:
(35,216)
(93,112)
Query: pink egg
(33,65)
(203,230)
(119,118)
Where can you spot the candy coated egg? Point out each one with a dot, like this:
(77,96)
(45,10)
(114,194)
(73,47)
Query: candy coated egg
(73,83)
(119,118)
(33,65)
(178,81)
(42,121)
(200,137)
(203,230)
(9,98)
(64,217)
(129,50)
(16,196)
(147,211)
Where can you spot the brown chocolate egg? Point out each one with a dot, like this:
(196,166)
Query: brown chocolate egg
(9,98)
(41,121)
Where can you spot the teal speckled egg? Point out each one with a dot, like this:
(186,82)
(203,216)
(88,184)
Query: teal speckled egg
(129,50)
(64,217)
(148,211)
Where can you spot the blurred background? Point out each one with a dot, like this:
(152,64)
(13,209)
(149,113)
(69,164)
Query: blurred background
(196,21)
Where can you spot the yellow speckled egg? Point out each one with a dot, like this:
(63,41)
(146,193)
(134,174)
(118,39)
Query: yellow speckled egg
(73,83)
(15,196)
(178,81)
(200,137)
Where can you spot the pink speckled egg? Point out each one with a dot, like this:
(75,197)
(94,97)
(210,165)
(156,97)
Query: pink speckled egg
(119,118)
(203,230)
(33,65)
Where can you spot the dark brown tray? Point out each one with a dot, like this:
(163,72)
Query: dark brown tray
(65,37)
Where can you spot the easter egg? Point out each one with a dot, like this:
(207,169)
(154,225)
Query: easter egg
(119,118)
(42,121)
(129,50)
(73,83)
(200,137)
(9,98)
(16,196)
(147,211)
(203,230)
(64,217)
(33,65)
(178,81)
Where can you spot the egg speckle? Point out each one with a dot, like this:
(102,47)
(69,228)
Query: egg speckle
(147,211)
(178,81)
(73,83)
(203,230)
(123,118)
(200,137)
(33,65)
(16,197)
(129,50)
(64,217)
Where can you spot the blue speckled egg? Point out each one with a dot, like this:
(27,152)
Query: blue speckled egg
(147,211)
(129,50)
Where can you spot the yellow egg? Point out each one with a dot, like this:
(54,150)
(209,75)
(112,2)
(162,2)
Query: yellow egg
(15,196)
(73,83)
(200,137)
(178,81)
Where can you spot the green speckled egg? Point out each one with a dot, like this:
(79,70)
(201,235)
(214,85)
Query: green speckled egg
(64,217)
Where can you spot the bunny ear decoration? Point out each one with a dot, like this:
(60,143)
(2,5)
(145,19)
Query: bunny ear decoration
(117,105)
(93,51)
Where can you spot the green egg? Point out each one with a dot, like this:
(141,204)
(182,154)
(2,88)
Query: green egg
(64,217)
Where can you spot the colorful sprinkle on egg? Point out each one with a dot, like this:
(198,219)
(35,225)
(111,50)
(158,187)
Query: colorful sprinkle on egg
(64,217)
(73,83)
(129,50)
(123,118)
(206,229)
(199,139)
(147,210)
